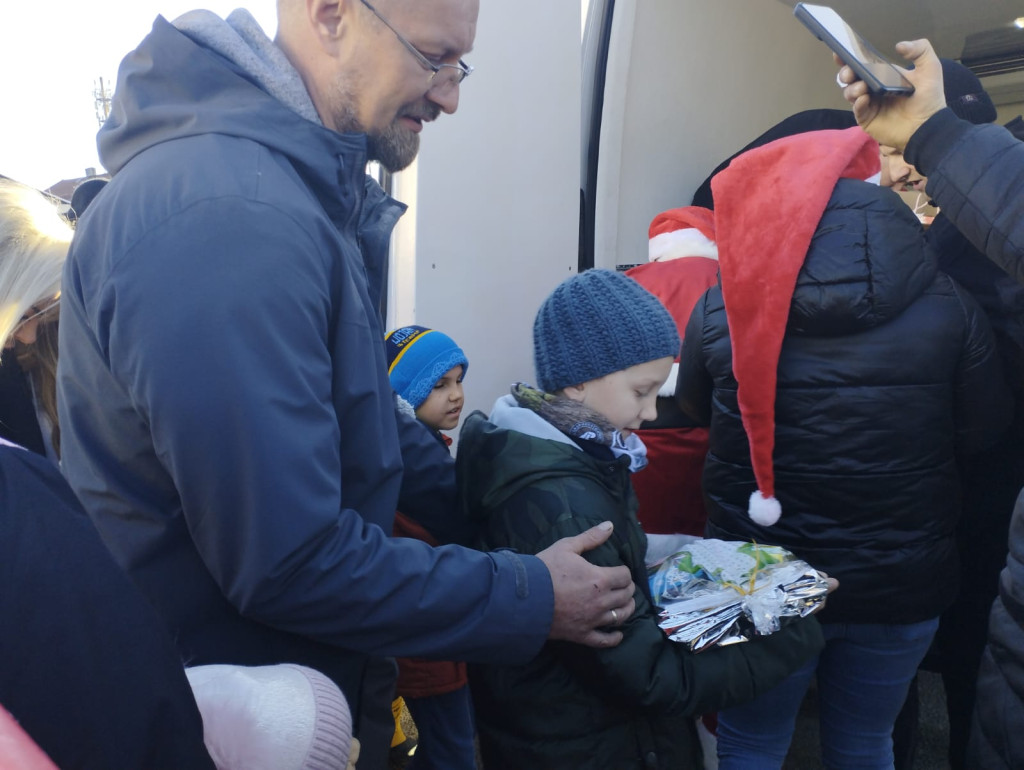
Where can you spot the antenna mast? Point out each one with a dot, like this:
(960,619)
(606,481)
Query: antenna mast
(102,96)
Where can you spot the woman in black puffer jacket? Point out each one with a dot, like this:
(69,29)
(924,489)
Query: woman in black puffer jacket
(886,373)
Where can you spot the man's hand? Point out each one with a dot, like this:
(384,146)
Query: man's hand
(587,598)
(893,119)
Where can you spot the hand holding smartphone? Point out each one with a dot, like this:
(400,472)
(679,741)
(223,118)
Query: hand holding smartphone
(880,75)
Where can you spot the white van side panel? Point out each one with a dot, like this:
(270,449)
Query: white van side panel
(689,83)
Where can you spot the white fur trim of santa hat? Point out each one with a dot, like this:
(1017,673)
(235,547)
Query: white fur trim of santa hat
(675,244)
(668,388)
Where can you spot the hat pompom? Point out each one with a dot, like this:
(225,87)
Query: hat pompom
(764,510)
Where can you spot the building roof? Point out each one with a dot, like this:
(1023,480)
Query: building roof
(65,188)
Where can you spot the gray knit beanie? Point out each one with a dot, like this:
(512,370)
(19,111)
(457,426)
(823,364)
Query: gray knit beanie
(596,323)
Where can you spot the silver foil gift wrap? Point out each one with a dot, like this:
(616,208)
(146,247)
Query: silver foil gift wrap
(717,592)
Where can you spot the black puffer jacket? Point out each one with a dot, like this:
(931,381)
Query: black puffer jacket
(997,741)
(976,174)
(887,371)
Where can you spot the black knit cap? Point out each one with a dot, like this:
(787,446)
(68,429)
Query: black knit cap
(596,323)
(965,94)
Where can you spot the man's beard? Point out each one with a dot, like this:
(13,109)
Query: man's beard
(394,148)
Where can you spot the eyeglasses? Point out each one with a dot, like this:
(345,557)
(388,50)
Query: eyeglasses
(442,76)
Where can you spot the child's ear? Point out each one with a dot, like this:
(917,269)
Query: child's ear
(575,392)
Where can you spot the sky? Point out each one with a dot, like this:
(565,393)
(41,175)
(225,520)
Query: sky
(52,56)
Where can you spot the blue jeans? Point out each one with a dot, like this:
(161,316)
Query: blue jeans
(445,728)
(863,675)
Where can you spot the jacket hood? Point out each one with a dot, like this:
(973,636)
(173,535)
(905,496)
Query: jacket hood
(868,261)
(173,86)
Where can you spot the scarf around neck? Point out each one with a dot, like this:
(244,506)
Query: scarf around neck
(580,422)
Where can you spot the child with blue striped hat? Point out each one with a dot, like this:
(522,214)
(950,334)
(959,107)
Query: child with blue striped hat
(426,369)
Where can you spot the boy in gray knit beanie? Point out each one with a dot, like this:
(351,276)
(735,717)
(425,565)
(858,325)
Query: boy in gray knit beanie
(596,323)
(553,462)
(604,344)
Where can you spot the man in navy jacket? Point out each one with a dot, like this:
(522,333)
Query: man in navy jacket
(226,412)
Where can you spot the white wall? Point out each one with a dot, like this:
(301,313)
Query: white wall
(494,198)
(703,79)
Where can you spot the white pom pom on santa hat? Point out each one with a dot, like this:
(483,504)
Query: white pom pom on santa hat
(764,510)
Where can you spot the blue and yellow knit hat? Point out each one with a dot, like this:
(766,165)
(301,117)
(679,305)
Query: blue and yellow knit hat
(596,323)
(417,358)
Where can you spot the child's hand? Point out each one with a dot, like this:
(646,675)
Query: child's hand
(587,597)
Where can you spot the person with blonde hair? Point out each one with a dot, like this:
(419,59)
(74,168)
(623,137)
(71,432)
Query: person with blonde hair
(34,241)
(96,681)
(99,683)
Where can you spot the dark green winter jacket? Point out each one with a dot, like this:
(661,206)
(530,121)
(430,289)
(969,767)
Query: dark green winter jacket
(574,707)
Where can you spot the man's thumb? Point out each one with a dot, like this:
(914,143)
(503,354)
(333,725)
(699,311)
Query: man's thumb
(592,538)
(912,50)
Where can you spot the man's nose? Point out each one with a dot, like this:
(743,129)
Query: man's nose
(900,172)
(446,97)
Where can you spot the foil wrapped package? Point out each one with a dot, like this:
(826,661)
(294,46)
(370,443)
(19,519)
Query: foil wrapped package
(718,592)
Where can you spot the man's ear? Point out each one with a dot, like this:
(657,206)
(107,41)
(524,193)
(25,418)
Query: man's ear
(575,392)
(329,18)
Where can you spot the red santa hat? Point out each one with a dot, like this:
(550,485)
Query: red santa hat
(767,206)
(683,232)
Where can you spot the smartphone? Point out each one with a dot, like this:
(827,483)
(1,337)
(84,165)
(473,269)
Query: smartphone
(874,69)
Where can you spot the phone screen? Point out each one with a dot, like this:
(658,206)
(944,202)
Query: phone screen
(877,71)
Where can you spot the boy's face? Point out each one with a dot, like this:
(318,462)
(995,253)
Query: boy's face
(625,398)
(443,407)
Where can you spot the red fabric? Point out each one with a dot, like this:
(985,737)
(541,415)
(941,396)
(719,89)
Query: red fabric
(669,488)
(418,677)
(711,723)
(768,202)
(678,283)
(17,750)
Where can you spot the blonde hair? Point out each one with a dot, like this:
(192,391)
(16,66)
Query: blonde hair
(39,361)
(34,241)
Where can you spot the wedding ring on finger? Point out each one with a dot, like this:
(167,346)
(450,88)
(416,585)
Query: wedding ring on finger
(615,617)
(839,82)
